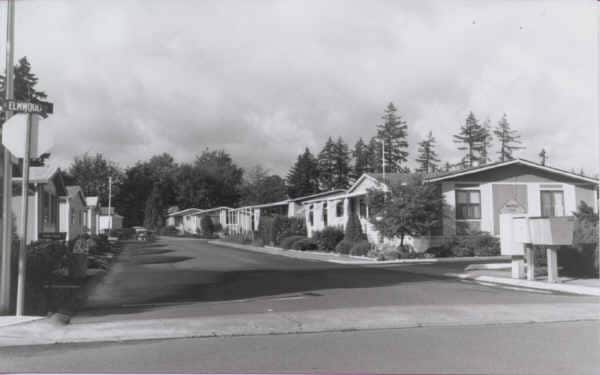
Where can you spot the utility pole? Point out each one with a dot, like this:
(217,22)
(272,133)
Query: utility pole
(5,267)
(110,199)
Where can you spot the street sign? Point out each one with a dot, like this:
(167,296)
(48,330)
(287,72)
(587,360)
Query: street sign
(55,236)
(41,108)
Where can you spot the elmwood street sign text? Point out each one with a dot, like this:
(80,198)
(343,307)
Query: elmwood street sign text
(41,108)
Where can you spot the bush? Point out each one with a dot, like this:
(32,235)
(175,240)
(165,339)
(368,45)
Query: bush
(283,226)
(354,231)
(168,231)
(217,228)
(287,242)
(328,238)
(207,226)
(305,244)
(361,248)
(344,246)
(477,244)
(265,230)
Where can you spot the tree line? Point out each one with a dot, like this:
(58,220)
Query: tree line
(335,166)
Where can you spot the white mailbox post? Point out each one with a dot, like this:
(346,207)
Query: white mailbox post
(551,232)
(509,236)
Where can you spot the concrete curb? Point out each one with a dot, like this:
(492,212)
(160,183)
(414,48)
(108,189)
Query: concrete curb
(313,321)
(348,259)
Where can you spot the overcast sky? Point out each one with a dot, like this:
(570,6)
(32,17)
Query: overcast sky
(264,79)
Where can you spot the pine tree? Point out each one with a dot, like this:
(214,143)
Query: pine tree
(486,142)
(393,133)
(341,159)
(427,158)
(469,138)
(509,139)
(543,156)
(303,178)
(361,159)
(25,82)
(374,156)
(447,167)
(326,165)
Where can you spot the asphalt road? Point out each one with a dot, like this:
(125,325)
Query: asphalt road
(558,348)
(181,277)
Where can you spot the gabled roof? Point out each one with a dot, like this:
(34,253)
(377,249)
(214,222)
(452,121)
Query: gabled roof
(340,194)
(485,167)
(74,191)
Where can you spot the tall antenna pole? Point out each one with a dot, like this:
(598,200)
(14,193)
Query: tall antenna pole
(5,267)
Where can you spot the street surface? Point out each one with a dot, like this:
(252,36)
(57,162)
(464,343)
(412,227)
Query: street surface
(558,348)
(185,277)
(187,280)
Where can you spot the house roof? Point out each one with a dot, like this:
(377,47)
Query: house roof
(74,191)
(317,195)
(187,211)
(485,167)
(340,194)
(211,210)
(91,201)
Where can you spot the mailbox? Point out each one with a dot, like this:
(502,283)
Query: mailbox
(520,227)
(551,231)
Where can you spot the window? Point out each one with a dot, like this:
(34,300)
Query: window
(552,203)
(46,206)
(468,211)
(324,212)
(72,216)
(311,219)
(339,209)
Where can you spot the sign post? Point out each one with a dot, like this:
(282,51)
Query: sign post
(24,214)
(5,268)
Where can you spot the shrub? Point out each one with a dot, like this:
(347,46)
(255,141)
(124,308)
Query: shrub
(287,242)
(305,244)
(328,238)
(207,226)
(477,244)
(354,231)
(265,230)
(344,246)
(361,248)
(168,231)
(218,228)
(284,226)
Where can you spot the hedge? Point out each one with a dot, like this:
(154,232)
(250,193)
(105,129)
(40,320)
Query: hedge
(288,242)
(328,238)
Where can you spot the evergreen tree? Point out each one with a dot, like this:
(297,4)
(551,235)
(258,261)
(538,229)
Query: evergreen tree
(486,142)
(469,138)
(326,166)
(361,159)
(543,156)
(374,156)
(447,167)
(25,82)
(341,160)
(427,158)
(509,139)
(303,178)
(393,133)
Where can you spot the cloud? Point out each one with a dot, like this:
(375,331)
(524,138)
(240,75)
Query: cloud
(264,79)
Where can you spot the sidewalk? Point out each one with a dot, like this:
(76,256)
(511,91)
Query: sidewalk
(498,274)
(370,318)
